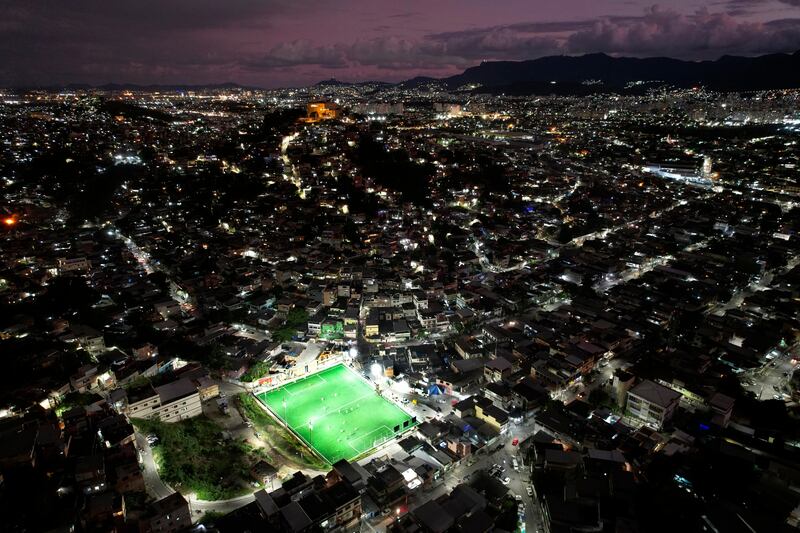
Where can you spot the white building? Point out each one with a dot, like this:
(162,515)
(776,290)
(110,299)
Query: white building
(652,404)
(172,402)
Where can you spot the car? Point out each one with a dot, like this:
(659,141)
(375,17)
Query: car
(515,463)
(506,480)
(518,497)
(529,490)
(515,441)
(521,508)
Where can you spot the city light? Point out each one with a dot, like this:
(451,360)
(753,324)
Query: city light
(592,256)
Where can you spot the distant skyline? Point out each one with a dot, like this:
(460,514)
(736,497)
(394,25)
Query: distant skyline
(276,43)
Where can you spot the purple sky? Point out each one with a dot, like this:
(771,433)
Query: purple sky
(274,43)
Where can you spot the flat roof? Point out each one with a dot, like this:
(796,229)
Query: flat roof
(655,393)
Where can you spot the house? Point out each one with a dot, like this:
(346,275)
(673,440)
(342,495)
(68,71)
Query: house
(652,404)
(167,514)
(483,409)
(170,402)
(497,369)
(263,472)
(167,308)
(89,339)
(721,409)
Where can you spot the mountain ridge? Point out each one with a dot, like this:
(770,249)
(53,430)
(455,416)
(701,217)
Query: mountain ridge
(582,74)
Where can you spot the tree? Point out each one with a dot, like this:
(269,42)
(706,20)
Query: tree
(296,317)
(598,397)
(283,334)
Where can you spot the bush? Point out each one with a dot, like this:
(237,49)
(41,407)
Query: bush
(256,371)
(283,442)
(192,455)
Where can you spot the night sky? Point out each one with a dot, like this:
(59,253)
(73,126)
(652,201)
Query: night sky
(272,43)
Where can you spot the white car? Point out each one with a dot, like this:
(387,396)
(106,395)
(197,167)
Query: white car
(506,480)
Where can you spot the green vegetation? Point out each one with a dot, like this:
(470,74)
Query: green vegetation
(332,330)
(256,371)
(193,456)
(337,413)
(600,398)
(209,517)
(296,319)
(282,442)
(76,399)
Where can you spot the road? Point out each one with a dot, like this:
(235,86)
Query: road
(770,381)
(760,284)
(233,423)
(483,462)
(605,374)
(200,507)
(152,481)
(604,285)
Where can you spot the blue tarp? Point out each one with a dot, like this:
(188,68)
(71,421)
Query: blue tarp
(434,389)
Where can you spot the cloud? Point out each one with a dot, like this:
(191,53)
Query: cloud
(434,51)
(700,35)
(747,7)
(659,31)
(269,42)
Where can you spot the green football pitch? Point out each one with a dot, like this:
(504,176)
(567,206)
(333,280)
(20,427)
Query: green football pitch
(337,413)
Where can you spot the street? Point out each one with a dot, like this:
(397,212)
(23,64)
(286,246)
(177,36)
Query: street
(482,462)
(770,380)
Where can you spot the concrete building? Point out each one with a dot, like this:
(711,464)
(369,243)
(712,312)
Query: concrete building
(171,402)
(167,514)
(652,404)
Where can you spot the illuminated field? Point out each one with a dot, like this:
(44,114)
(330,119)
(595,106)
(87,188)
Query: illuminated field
(337,413)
